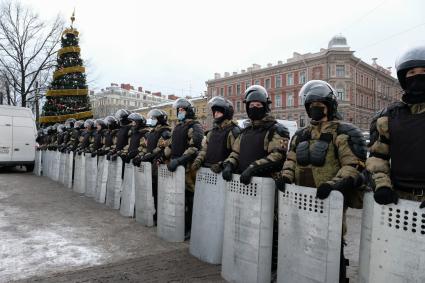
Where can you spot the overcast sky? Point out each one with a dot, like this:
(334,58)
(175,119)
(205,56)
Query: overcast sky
(175,46)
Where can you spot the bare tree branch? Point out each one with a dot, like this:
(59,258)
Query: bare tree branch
(28,47)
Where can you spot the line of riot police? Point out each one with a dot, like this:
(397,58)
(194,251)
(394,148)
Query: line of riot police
(328,154)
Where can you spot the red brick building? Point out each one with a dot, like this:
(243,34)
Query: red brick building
(362,88)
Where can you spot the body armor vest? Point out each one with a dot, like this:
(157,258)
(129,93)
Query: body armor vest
(135,141)
(153,138)
(122,137)
(251,146)
(217,150)
(180,139)
(407,134)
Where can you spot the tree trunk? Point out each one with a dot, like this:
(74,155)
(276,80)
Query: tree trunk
(37,109)
(8,93)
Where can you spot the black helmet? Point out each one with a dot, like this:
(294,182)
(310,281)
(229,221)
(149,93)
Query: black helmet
(69,123)
(159,115)
(222,105)
(122,116)
(320,91)
(89,123)
(186,105)
(101,123)
(111,122)
(139,119)
(257,93)
(411,58)
(79,124)
(60,128)
(51,130)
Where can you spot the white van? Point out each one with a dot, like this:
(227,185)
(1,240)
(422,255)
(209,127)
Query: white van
(17,137)
(291,125)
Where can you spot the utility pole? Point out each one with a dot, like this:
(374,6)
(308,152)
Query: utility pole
(37,109)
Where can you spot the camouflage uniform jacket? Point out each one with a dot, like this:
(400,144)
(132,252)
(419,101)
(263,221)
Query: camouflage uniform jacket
(275,146)
(378,163)
(231,138)
(163,142)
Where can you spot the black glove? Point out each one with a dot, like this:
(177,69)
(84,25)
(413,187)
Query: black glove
(422,204)
(93,154)
(148,157)
(173,164)
(227,172)
(113,157)
(324,190)
(124,158)
(136,161)
(385,195)
(79,152)
(246,175)
(280,183)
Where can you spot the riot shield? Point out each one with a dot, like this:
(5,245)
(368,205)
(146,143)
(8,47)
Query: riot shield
(102,178)
(145,207)
(310,232)
(37,164)
(62,165)
(206,239)
(43,162)
(113,186)
(128,191)
(91,175)
(80,174)
(55,165)
(47,163)
(248,230)
(171,204)
(392,246)
(69,168)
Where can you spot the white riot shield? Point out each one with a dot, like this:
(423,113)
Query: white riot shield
(91,175)
(102,178)
(113,186)
(128,191)
(62,165)
(56,165)
(206,237)
(171,204)
(310,232)
(145,207)
(248,230)
(392,247)
(43,163)
(69,169)
(80,174)
(48,163)
(37,164)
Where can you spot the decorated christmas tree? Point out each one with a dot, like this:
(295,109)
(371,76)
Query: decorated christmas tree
(67,96)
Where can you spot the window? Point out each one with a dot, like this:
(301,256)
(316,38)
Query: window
(277,101)
(238,106)
(301,100)
(341,93)
(221,91)
(340,70)
(229,91)
(289,99)
(302,121)
(267,83)
(214,91)
(257,82)
(247,84)
(238,89)
(301,78)
(277,81)
(289,79)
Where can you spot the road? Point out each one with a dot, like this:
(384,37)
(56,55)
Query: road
(51,234)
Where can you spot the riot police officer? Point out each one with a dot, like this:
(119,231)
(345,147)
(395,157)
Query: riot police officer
(398,137)
(112,126)
(138,131)
(186,141)
(75,135)
(260,149)
(99,135)
(86,137)
(328,154)
(120,140)
(152,148)
(53,138)
(217,144)
(61,132)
